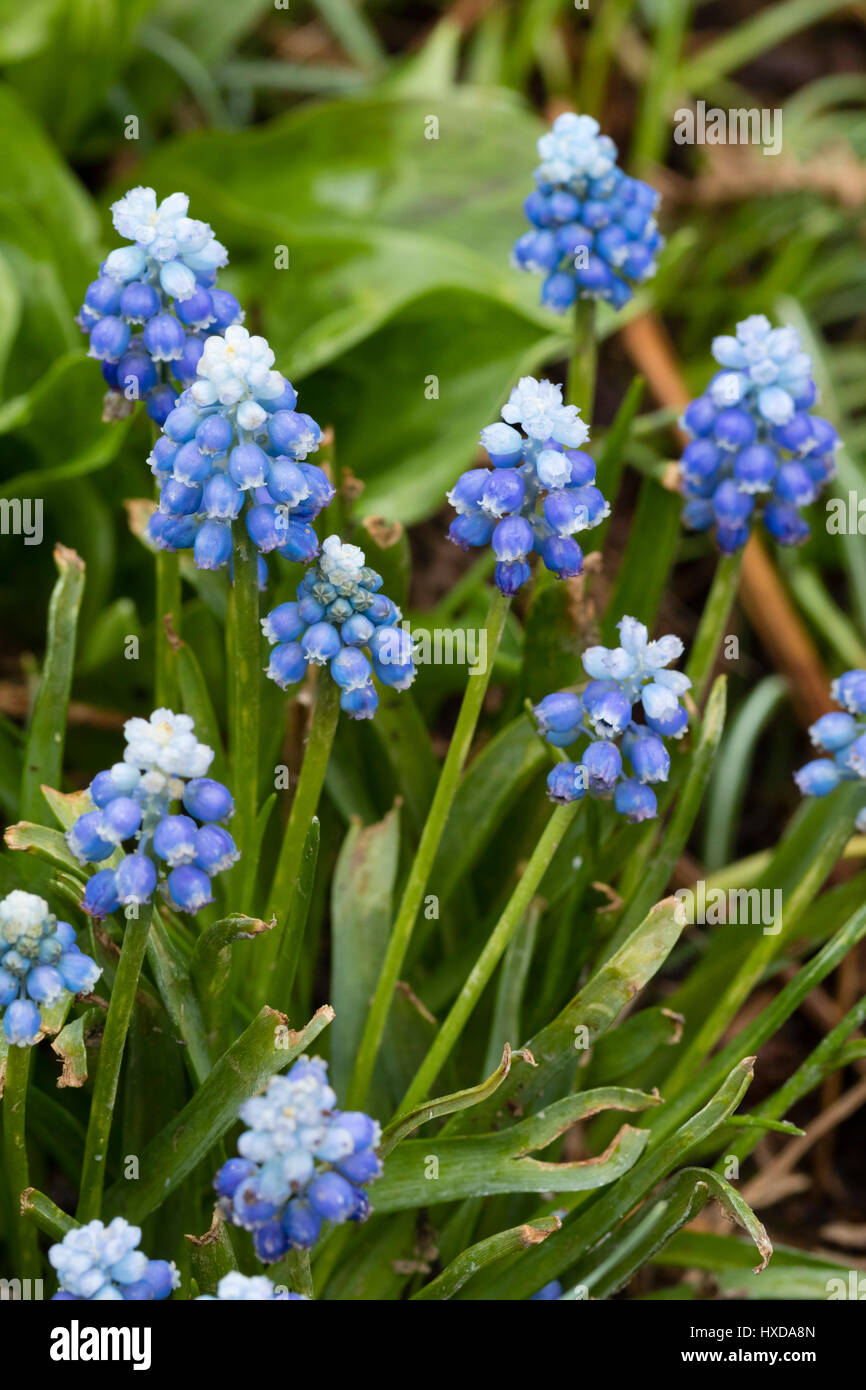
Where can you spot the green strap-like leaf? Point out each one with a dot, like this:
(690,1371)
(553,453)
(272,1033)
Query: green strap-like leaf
(422,1171)
(361,913)
(404,1125)
(562,1043)
(264,1048)
(486,1252)
(43,759)
(591,1227)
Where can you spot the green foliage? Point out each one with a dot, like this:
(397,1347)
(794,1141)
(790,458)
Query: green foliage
(444,939)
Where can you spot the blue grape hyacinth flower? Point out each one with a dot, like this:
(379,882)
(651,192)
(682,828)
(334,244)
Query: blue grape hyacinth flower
(625,682)
(341,620)
(841,735)
(539,493)
(160,800)
(235,1287)
(103,1263)
(594,232)
(755,448)
(39,961)
(233,446)
(302,1162)
(155,302)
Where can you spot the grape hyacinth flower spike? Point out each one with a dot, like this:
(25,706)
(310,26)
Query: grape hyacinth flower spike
(160,799)
(235,1287)
(624,681)
(154,303)
(842,735)
(340,619)
(39,960)
(539,493)
(302,1162)
(235,445)
(102,1263)
(594,233)
(753,441)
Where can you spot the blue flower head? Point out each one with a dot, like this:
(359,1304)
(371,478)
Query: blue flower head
(102,1263)
(539,493)
(235,1287)
(594,232)
(842,735)
(753,441)
(235,444)
(154,303)
(39,961)
(302,1162)
(624,681)
(159,800)
(341,620)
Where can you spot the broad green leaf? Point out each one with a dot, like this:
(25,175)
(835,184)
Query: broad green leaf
(361,914)
(43,758)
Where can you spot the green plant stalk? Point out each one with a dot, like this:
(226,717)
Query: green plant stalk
(287,881)
(490,957)
(168,604)
(244,664)
(711,628)
(104,1097)
(431,835)
(583,363)
(15,1154)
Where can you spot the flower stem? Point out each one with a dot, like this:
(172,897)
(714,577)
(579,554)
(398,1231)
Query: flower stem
(104,1098)
(584,356)
(490,956)
(168,604)
(15,1154)
(705,647)
(431,835)
(244,662)
(323,727)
